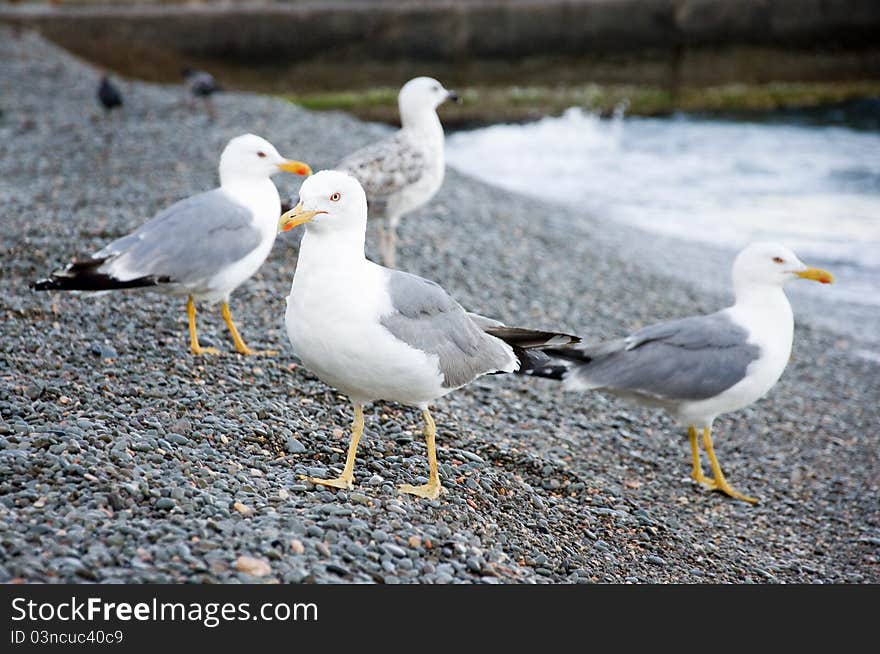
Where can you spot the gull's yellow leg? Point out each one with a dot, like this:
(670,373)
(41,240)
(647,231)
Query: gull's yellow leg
(432,489)
(194,346)
(697,473)
(720,483)
(240,346)
(346,479)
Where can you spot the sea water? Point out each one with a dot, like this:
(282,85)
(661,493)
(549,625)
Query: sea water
(814,187)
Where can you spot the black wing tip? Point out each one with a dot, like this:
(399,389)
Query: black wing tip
(555,372)
(531,347)
(574,354)
(91,281)
(47,284)
(533,339)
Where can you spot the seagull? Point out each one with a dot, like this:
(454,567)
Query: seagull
(700,367)
(109,94)
(201,85)
(403,172)
(375,333)
(202,247)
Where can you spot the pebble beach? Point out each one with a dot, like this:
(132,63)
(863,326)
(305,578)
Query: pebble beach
(124,459)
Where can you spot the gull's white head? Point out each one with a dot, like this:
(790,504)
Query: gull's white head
(330,202)
(771,264)
(420,97)
(249,156)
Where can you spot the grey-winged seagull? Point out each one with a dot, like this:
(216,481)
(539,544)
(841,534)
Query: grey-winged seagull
(380,334)
(202,247)
(403,172)
(700,367)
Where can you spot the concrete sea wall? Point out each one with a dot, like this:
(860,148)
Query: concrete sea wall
(457,29)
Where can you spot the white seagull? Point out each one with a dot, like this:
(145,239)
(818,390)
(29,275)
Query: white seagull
(380,334)
(202,247)
(403,172)
(700,367)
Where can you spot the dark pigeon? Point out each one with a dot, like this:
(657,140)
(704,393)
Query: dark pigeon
(109,94)
(199,83)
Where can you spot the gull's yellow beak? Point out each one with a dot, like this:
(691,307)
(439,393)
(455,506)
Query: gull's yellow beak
(295,167)
(817,275)
(294,217)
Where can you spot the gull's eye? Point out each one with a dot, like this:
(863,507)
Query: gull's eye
(335,197)
(261,155)
(436,88)
(778,260)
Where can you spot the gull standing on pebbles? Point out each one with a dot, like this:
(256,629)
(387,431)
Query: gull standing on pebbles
(201,85)
(403,172)
(202,247)
(700,367)
(108,94)
(375,333)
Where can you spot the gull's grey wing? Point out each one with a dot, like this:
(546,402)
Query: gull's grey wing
(384,169)
(690,359)
(426,318)
(188,242)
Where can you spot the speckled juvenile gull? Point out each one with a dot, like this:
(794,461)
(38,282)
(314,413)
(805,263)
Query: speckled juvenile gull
(380,334)
(703,366)
(403,172)
(202,247)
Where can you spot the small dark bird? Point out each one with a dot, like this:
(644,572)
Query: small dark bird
(109,94)
(200,85)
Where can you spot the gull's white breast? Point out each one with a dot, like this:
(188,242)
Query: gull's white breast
(333,323)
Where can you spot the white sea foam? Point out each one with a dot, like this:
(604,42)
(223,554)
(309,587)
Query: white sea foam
(817,189)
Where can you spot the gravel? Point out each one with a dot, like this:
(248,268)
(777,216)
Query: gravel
(124,459)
